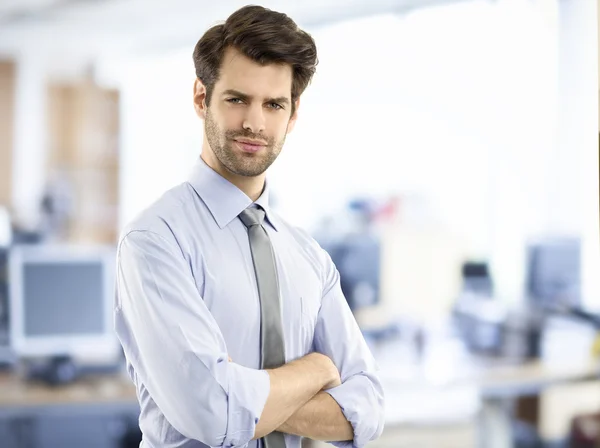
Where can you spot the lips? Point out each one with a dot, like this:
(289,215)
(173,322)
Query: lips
(249,146)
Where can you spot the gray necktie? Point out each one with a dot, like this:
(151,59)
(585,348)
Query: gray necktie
(271,329)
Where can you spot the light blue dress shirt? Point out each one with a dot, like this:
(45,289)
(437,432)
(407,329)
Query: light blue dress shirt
(186,299)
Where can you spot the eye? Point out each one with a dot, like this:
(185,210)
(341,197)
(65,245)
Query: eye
(275,106)
(234,101)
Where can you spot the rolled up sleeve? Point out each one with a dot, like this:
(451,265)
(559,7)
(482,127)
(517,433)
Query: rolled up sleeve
(337,335)
(176,347)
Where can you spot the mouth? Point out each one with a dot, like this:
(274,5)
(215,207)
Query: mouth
(250,146)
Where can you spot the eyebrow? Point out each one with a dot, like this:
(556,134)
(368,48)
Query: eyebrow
(243,96)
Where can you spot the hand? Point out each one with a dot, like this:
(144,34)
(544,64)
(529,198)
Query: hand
(335,378)
(331,371)
(230,360)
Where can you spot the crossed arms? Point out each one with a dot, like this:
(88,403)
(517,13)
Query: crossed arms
(178,352)
(297,405)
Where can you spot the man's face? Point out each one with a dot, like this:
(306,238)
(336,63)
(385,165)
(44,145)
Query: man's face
(249,114)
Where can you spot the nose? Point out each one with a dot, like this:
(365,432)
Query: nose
(254,121)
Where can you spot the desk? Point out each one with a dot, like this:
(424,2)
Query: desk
(458,387)
(95,389)
(502,384)
(497,378)
(97,410)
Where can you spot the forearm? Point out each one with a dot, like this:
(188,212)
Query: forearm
(292,386)
(319,419)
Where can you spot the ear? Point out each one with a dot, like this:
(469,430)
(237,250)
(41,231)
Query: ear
(294,117)
(200,98)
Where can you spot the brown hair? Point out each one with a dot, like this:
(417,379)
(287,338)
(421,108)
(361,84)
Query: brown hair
(266,37)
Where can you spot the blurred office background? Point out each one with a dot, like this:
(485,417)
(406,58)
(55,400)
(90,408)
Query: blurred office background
(446,157)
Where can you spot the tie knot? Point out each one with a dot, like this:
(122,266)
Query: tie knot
(252,216)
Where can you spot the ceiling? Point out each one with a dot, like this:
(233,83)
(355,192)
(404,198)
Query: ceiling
(85,29)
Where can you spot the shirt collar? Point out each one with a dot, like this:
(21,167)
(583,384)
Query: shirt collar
(224,200)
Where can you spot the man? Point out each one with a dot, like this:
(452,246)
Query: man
(232,321)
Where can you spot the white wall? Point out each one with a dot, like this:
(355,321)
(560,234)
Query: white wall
(464,104)
(484,108)
(447,102)
(161,137)
(575,183)
(30,139)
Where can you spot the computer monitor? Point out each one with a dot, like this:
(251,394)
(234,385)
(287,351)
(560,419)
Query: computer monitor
(61,301)
(357,259)
(554,272)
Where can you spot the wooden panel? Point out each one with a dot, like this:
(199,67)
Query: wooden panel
(7,88)
(84,130)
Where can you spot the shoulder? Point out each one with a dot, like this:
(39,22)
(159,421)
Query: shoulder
(306,243)
(319,258)
(161,218)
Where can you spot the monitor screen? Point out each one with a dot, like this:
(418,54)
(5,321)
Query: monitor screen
(554,271)
(61,301)
(63,298)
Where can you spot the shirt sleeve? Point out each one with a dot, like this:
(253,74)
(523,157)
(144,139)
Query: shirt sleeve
(337,335)
(176,347)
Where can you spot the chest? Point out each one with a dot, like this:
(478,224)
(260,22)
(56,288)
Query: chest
(226,279)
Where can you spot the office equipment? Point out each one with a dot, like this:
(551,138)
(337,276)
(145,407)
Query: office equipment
(420,271)
(7,357)
(492,392)
(476,279)
(354,247)
(61,301)
(357,259)
(553,272)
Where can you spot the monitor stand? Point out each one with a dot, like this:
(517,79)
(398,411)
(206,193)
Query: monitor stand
(54,371)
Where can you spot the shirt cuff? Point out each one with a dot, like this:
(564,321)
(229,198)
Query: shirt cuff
(359,405)
(247,394)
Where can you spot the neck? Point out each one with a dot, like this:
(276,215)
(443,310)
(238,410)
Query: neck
(251,186)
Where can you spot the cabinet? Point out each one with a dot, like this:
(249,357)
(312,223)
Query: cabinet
(91,430)
(7,88)
(97,411)
(83,161)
